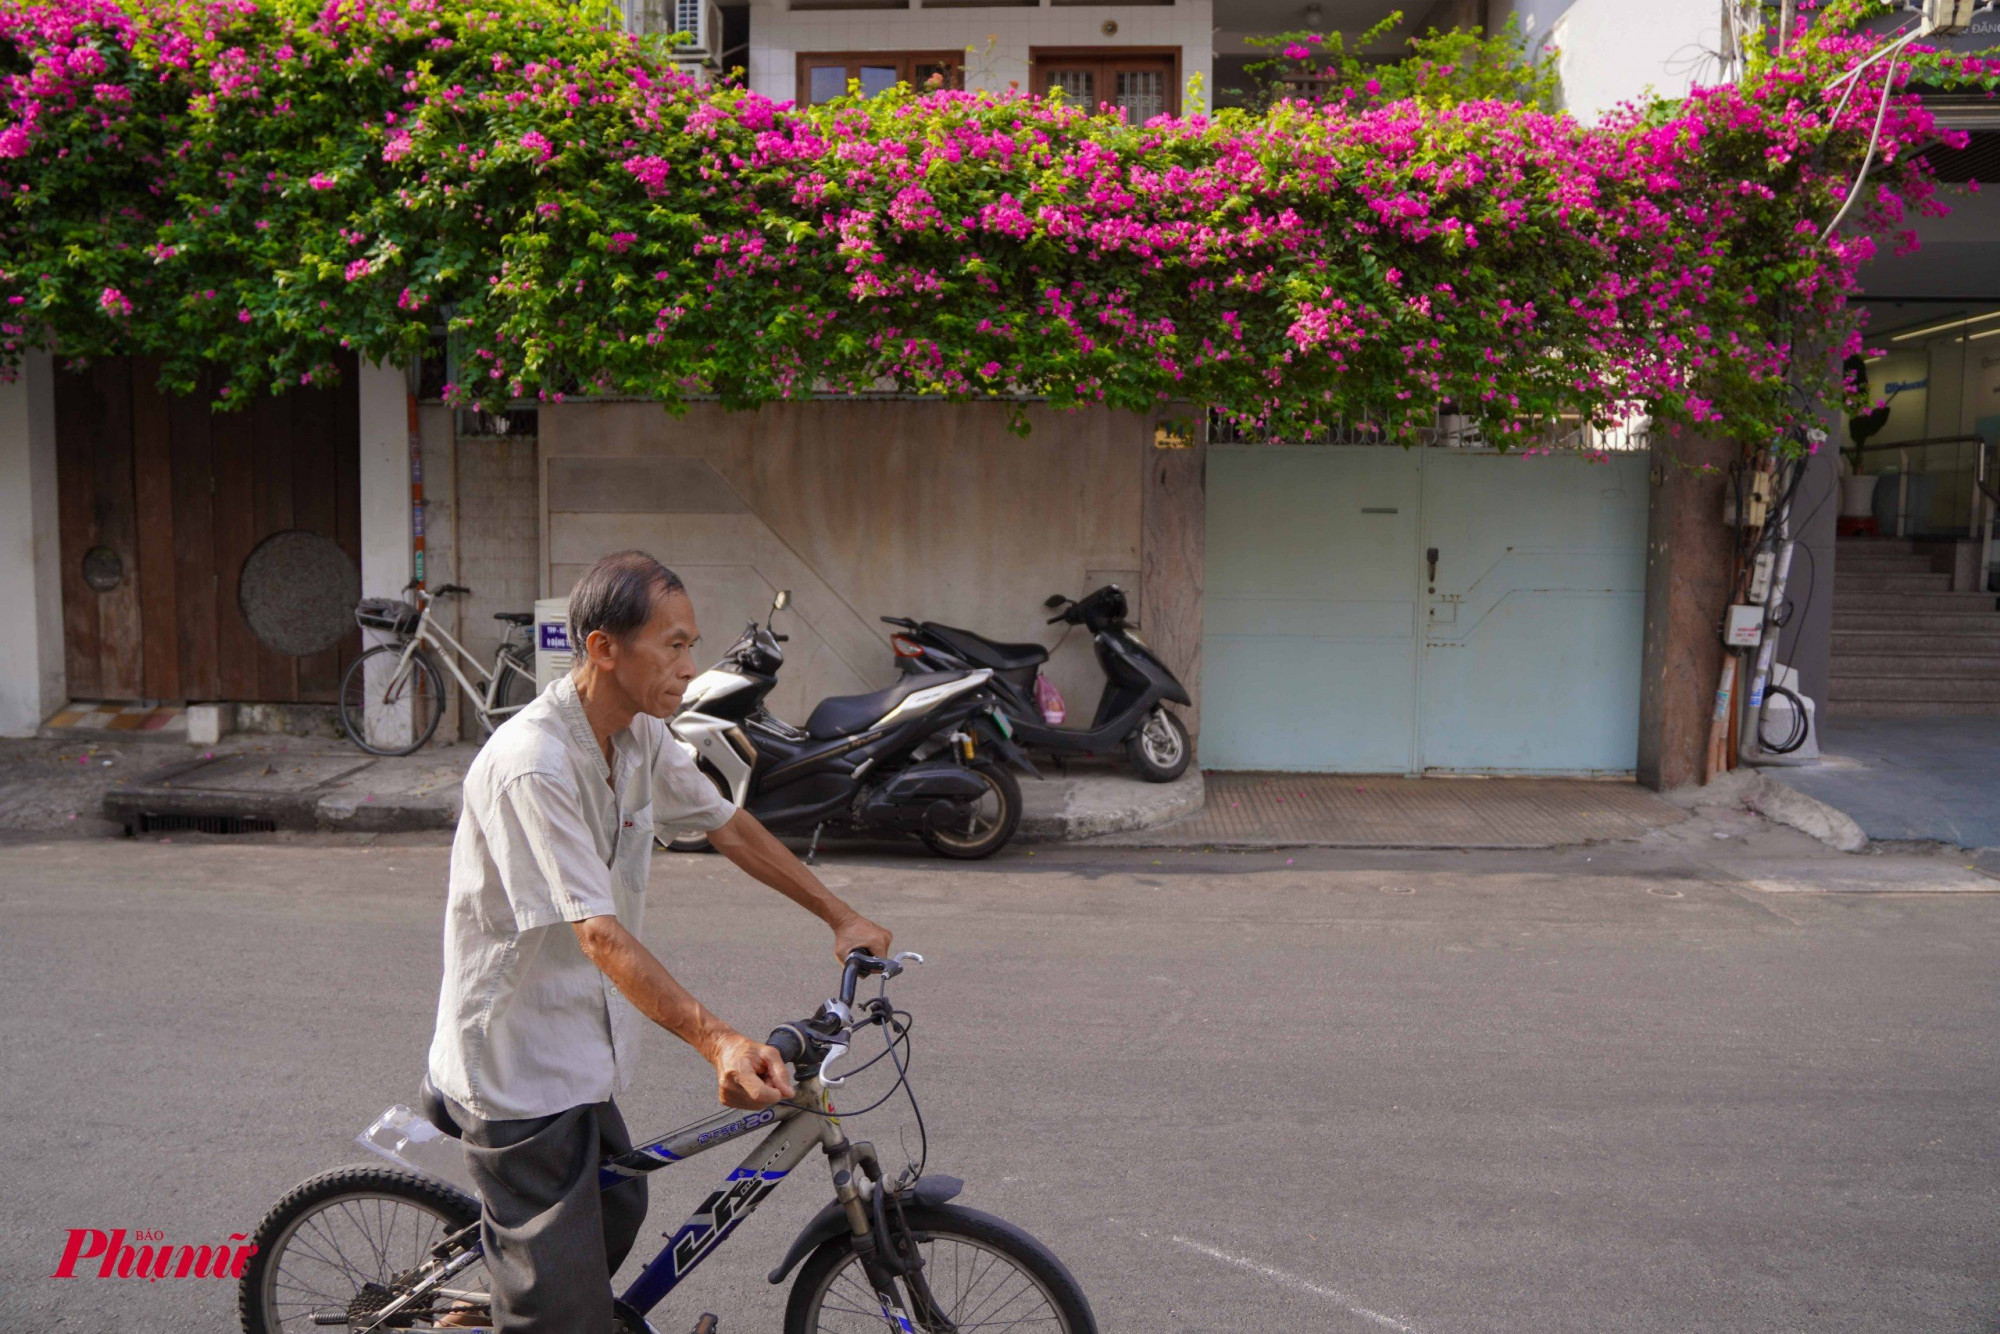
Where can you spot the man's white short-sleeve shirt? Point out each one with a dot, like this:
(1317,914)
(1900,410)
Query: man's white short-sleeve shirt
(548,835)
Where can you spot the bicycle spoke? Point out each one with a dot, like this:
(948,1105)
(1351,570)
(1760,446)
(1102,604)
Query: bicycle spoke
(333,1253)
(977,1287)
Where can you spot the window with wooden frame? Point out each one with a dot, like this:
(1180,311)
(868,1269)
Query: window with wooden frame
(824,75)
(1145,81)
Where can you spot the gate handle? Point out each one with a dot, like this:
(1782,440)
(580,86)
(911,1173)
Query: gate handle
(1432,557)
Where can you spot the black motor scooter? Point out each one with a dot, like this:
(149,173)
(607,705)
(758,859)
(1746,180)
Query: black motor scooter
(918,758)
(1137,686)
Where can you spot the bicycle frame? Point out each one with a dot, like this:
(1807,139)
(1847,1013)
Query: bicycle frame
(450,651)
(795,1133)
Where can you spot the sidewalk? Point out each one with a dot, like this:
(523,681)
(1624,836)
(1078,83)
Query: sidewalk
(1923,780)
(1277,810)
(254,784)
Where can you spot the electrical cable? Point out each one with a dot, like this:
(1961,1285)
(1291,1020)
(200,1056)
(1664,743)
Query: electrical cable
(1874,140)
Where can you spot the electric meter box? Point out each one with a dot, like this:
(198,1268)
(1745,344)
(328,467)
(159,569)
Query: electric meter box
(1744,628)
(553,655)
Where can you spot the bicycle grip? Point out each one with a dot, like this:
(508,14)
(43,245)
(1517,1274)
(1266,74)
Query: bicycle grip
(789,1043)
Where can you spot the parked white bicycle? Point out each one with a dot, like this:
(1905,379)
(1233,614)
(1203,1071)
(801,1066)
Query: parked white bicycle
(393,695)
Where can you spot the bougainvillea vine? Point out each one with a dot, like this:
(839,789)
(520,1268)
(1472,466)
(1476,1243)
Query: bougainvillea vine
(242,189)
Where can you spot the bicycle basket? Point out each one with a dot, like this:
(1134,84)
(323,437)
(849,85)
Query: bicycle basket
(390,615)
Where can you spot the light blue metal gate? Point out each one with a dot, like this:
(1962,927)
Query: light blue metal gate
(1331,642)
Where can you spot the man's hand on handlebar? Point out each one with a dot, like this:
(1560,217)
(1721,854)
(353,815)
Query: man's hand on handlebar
(748,1074)
(855,932)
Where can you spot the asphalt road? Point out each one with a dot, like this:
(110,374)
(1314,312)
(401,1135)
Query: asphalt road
(1590,1090)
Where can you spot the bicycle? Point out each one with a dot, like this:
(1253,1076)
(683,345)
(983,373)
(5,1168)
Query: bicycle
(393,695)
(897,1256)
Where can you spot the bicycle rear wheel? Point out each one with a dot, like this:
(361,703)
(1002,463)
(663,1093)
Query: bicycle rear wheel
(348,1242)
(385,715)
(985,1274)
(516,688)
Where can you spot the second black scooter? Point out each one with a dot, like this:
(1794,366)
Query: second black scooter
(1131,713)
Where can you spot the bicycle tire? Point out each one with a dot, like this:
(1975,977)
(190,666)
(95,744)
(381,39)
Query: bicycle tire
(257,1302)
(426,687)
(827,1272)
(516,687)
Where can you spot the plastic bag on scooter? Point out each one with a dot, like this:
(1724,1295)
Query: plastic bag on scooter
(1049,700)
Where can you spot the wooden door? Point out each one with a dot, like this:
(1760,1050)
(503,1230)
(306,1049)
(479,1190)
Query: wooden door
(1143,82)
(161,502)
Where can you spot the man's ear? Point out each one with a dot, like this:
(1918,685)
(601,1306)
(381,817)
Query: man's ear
(599,647)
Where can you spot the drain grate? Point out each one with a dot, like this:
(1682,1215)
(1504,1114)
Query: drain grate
(206,824)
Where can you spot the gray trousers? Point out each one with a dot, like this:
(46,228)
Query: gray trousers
(552,1238)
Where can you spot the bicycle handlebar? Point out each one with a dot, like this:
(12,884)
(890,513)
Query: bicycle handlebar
(795,1042)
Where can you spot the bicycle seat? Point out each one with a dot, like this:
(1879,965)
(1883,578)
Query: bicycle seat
(515,617)
(982,652)
(844,715)
(432,1105)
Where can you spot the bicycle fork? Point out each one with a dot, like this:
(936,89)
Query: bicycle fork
(887,1250)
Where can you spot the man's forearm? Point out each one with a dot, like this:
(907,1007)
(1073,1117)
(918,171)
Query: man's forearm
(754,849)
(644,980)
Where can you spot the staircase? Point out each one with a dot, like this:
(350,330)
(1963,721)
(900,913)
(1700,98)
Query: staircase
(1904,645)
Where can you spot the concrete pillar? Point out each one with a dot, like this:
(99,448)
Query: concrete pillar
(1172,552)
(32,684)
(1687,589)
(386,546)
(1808,639)
(385,480)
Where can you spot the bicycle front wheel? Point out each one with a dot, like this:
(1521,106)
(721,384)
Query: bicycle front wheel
(387,710)
(983,1273)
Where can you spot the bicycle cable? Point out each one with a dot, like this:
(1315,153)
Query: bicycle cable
(896,1025)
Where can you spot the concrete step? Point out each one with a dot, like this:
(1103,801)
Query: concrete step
(1962,604)
(1902,689)
(1872,708)
(1910,561)
(1867,639)
(1867,580)
(1979,625)
(1943,664)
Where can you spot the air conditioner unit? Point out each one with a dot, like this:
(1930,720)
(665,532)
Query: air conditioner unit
(701,20)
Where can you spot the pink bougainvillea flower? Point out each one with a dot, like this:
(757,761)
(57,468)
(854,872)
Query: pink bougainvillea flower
(321,180)
(114,302)
(622,241)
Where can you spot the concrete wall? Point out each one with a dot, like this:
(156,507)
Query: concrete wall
(31,647)
(498,535)
(1614,50)
(862,509)
(779,33)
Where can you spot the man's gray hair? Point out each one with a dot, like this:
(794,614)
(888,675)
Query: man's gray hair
(617,594)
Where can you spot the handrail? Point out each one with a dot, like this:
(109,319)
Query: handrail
(1918,444)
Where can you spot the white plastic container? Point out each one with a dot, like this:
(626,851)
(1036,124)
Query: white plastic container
(406,1139)
(553,655)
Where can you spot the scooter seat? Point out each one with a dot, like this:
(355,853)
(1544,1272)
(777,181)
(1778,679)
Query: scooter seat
(844,715)
(984,652)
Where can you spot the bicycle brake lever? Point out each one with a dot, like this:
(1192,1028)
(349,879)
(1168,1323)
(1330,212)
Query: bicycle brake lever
(834,1052)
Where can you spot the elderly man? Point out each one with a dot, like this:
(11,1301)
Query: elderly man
(545,978)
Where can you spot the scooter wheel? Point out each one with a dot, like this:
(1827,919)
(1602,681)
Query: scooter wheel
(1159,748)
(990,821)
(698,842)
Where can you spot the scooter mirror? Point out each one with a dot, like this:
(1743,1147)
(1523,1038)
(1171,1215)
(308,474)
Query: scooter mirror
(1055,600)
(783,600)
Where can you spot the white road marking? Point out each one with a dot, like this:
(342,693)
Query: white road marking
(1294,1281)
